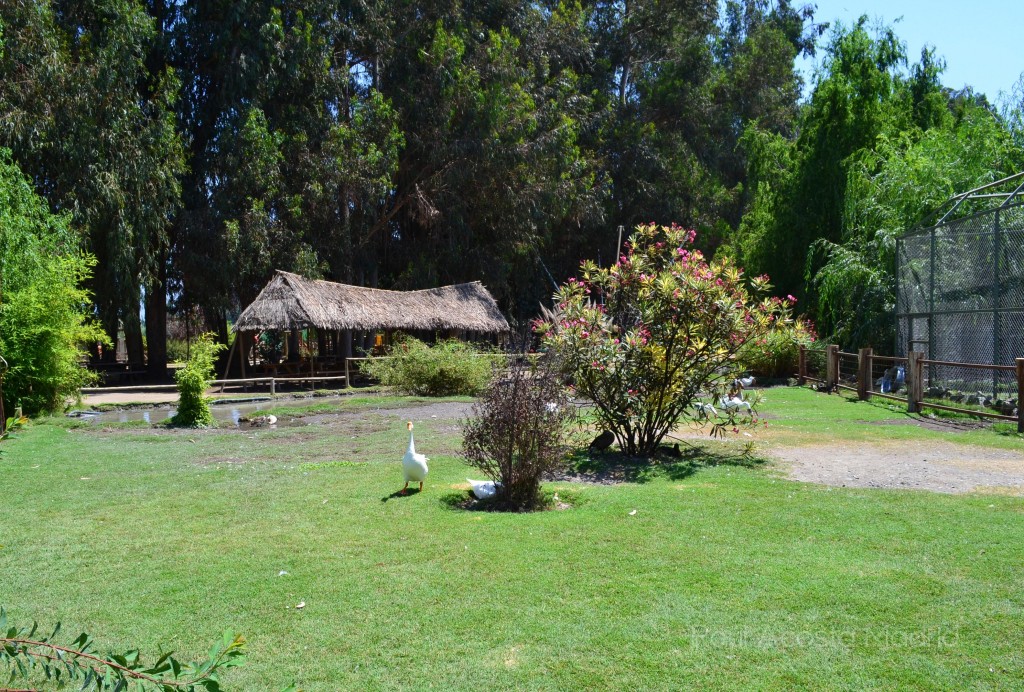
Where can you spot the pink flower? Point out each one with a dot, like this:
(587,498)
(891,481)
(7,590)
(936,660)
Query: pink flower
(791,299)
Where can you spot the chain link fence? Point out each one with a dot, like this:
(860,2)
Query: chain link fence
(960,297)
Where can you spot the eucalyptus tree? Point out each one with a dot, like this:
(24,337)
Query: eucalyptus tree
(93,126)
(288,141)
(492,110)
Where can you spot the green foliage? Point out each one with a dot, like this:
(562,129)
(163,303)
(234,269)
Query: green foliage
(11,427)
(776,354)
(889,191)
(177,350)
(668,329)
(88,111)
(193,381)
(445,369)
(878,148)
(32,655)
(43,306)
(520,430)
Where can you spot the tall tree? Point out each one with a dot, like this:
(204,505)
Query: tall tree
(94,128)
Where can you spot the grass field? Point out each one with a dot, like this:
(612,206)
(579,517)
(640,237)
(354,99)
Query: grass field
(726,576)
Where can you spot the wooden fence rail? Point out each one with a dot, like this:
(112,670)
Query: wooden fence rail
(914,376)
(245,381)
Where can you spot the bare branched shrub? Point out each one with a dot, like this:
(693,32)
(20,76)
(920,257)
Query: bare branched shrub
(521,430)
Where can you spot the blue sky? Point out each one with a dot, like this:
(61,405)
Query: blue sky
(982,42)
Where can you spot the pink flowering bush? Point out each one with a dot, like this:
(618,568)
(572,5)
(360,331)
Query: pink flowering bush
(646,337)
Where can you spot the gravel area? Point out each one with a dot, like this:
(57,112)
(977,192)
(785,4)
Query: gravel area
(936,466)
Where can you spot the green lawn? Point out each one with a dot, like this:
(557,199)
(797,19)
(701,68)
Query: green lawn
(726,576)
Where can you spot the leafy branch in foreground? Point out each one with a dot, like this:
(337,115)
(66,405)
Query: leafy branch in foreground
(30,654)
(13,426)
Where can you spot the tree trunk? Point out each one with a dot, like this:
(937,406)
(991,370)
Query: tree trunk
(156,323)
(133,338)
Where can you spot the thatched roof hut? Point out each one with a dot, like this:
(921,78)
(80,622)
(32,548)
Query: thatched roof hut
(291,301)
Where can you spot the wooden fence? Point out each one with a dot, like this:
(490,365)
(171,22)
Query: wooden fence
(241,382)
(858,372)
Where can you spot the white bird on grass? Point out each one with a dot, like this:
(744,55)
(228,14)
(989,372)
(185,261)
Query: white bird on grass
(734,403)
(483,490)
(260,421)
(414,465)
(705,410)
(747,381)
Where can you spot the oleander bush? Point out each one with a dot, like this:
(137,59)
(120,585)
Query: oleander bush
(647,337)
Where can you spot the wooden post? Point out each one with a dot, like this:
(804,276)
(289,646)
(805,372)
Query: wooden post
(273,387)
(243,351)
(1020,390)
(832,366)
(801,370)
(348,380)
(915,381)
(227,369)
(864,374)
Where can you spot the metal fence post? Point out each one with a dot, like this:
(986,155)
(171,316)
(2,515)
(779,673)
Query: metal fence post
(915,381)
(801,368)
(864,373)
(831,366)
(1020,390)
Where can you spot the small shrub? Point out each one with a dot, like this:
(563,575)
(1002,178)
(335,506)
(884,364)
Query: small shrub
(193,380)
(445,369)
(777,353)
(177,350)
(520,431)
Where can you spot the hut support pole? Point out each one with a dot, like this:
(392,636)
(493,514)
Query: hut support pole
(243,352)
(231,354)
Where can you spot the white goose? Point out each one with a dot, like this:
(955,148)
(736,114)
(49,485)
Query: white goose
(734,403)
(413,465)
(483,489)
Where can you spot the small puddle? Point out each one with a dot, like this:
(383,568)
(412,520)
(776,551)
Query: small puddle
(223,413)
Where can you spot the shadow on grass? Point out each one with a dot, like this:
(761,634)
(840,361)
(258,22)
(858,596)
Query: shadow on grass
(399,495)
(549,500)
(675,463)
(931,419)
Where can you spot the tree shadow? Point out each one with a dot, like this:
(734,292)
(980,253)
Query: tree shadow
(547,500)
(399,495)
(673,462)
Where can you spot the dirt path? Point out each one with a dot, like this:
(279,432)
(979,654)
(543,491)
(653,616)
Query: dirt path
(937,466)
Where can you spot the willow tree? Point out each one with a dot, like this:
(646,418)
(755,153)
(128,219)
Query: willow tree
(44,318)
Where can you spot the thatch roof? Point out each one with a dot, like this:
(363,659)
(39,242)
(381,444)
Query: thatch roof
(290,301)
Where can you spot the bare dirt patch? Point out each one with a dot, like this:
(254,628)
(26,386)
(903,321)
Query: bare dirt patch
(942,467)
